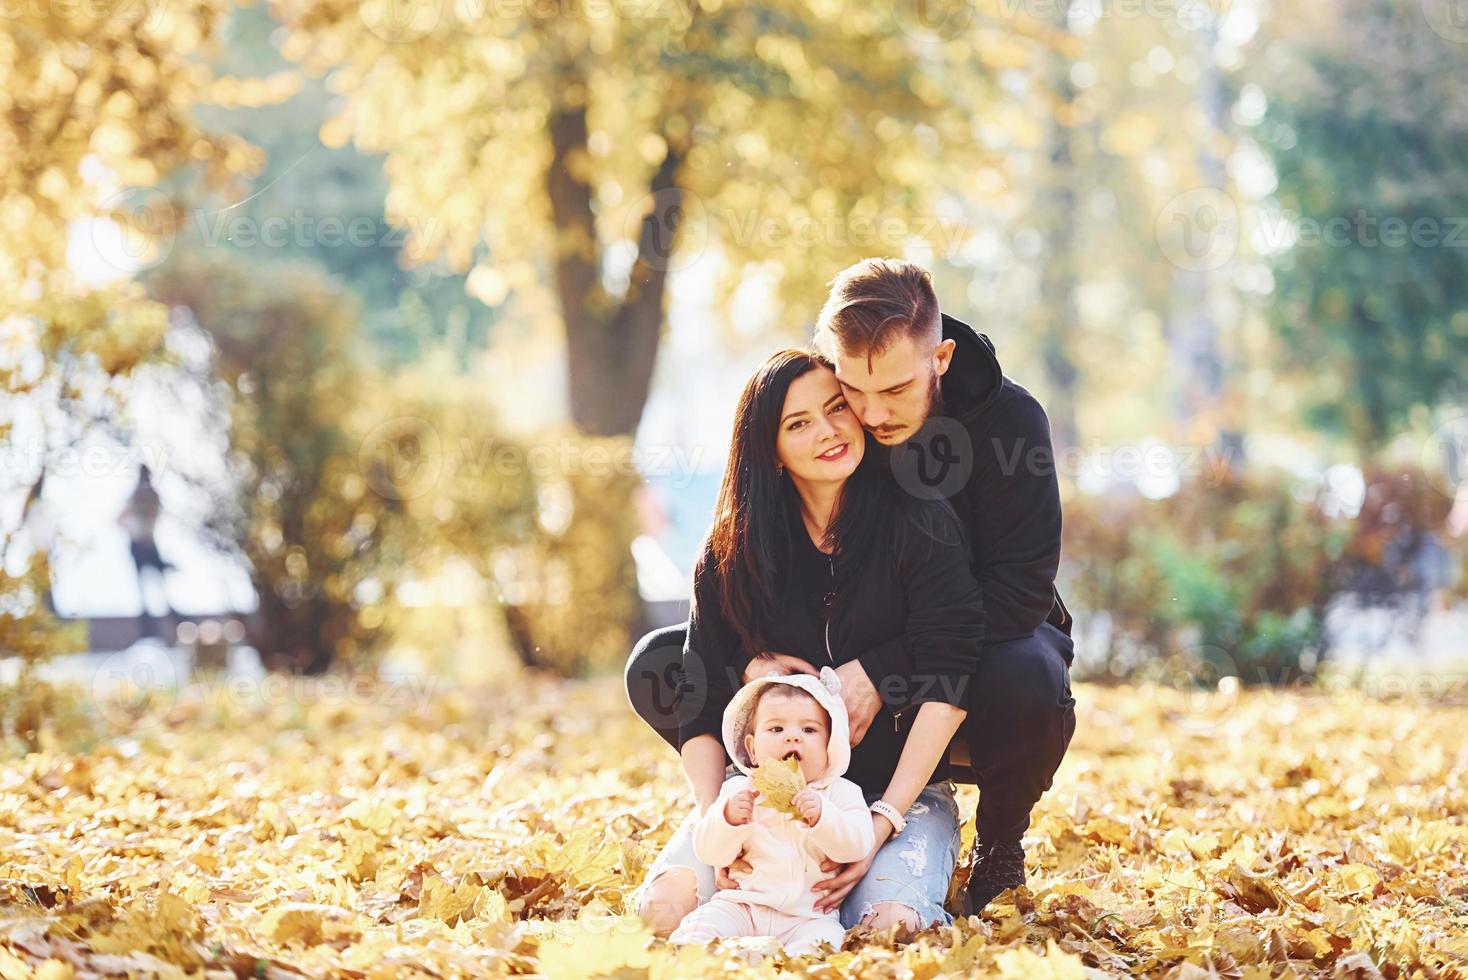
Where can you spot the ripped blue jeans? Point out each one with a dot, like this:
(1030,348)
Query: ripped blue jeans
(912,868)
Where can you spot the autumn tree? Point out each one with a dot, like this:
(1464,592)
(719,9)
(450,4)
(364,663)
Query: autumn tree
(574,159)
(99,102)
(297,502)
(1367,131)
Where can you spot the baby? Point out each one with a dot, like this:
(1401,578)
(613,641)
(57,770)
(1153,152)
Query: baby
(772,718)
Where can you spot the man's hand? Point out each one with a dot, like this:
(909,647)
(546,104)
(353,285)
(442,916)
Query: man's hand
(860,697)
(808,804)
(838,886)
(739,808)
(777,663)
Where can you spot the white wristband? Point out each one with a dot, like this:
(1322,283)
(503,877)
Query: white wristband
(898,822)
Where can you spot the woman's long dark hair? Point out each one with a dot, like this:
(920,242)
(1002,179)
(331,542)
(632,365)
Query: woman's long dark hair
(750,548)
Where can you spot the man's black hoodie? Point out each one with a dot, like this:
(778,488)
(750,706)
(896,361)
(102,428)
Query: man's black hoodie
(987,452)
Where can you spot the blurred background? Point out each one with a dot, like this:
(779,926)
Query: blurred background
(405,335)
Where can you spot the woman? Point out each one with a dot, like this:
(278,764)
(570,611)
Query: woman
(814,557)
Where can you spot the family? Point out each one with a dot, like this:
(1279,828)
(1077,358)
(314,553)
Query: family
(875,607)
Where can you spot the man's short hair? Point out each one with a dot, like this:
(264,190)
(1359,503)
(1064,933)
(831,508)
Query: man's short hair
(874,304)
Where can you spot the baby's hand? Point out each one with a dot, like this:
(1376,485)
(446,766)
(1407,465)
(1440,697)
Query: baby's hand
(739,809)
(808,804)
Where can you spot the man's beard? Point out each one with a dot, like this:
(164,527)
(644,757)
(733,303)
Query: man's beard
(934,407)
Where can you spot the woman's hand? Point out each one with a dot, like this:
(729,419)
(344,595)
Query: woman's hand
(776,663)
(724,877)
(838,886)
(932,730)
(860,696)
(703,763)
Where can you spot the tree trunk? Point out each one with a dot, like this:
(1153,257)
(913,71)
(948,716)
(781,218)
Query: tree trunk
(611,342)
(1056,214)
(1192,330)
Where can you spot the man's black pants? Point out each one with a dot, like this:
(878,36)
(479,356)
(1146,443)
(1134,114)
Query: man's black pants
(1021,717)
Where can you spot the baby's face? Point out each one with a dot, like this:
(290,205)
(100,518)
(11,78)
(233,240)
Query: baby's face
(789,723)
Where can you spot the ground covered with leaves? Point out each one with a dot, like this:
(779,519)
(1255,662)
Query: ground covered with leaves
(376,831)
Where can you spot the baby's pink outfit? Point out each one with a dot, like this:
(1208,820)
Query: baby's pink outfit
(775,898)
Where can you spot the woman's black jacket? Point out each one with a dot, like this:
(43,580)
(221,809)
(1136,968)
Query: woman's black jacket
(913,582)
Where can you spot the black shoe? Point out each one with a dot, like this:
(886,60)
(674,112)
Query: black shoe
(994,867)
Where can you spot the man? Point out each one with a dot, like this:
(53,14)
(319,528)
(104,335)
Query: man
(930,389)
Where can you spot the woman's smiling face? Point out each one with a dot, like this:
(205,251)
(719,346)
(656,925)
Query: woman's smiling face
(820,439)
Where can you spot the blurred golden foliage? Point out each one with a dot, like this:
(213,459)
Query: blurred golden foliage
(538,147)
(98,100)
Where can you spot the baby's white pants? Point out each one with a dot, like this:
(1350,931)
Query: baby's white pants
(718,918)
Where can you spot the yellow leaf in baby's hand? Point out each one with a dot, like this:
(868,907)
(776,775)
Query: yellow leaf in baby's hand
(777,782)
